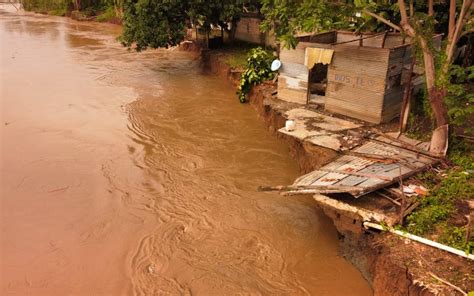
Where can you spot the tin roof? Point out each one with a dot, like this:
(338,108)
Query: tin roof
(378,163)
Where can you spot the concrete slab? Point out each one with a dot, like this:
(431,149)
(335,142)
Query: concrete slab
(315,120)
(319,129)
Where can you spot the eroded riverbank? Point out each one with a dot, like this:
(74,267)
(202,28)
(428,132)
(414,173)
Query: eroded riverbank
(393,266)
(127,173)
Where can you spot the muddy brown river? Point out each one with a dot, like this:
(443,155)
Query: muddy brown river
(128,173)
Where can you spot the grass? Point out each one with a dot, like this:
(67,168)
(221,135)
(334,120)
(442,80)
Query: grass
(58,12)
(446,191)
(454,236)
(236,55)
(107,15)
(237,60)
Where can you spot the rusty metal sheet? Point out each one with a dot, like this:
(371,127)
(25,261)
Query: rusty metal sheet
(379,174)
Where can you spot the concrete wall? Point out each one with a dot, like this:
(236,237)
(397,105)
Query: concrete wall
(248,30)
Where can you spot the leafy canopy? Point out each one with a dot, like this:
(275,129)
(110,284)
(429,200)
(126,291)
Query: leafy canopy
(162,23)
(289,17)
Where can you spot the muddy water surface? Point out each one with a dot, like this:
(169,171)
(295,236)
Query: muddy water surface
(135,174)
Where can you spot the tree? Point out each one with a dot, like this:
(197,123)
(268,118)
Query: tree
(419,25)
(416,20)
(153,23)
(162,23)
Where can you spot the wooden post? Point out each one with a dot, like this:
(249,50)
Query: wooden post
(403,201)
(405,110)
(469,217)
(384,38)
(308,91)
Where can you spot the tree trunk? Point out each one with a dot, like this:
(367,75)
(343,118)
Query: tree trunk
(233,29)
(440,112)
(436,94)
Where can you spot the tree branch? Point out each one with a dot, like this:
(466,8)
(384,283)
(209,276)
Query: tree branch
(407,28)
(466,32)
(403,12)
(452,19)
(464,15)
(383,20)
(430,8)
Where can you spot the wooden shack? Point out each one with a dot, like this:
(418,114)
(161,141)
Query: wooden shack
(363,79)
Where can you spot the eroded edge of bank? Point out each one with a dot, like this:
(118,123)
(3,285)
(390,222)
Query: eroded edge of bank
(392,265)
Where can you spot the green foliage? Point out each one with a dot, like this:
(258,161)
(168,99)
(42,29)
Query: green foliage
(45,5)
(456,237)
(59,12)
(460,98)
(289,17)
(439,205)
(461,154)
(153,23)
(107,15)
(459,101)
(257,70)
(162,23)
(61,7)
(237,60)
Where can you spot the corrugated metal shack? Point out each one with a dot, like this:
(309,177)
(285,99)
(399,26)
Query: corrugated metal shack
(363,79)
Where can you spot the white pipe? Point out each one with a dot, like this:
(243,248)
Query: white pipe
(420,240)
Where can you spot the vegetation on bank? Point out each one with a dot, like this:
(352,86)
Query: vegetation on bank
(162,23)
(101,10)
(442,213)
(257,70)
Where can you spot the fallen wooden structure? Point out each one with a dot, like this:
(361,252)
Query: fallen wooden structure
(378,163)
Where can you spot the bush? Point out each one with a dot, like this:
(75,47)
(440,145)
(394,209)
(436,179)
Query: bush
(456,237)
(257,70)
(439,205)
(107,15)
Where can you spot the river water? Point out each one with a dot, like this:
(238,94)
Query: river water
(128,173)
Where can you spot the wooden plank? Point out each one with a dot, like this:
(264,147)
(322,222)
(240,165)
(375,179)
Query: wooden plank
(309,178)
(394,173)
(348,36)
(372,68)
(374,41)
(291,83)
(407,148)
(353,110)
(351,181)
(294,70)
(363,99)
(295,56)
(327,37)
(339,169)
(356,80)
(362,54)
(292,95)
(329,179)
(356,173)
(397,53)
(394,40)
(378,148)
(314,187)
(303,45)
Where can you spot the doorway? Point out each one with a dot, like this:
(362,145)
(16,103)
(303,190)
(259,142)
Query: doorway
(317,84)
